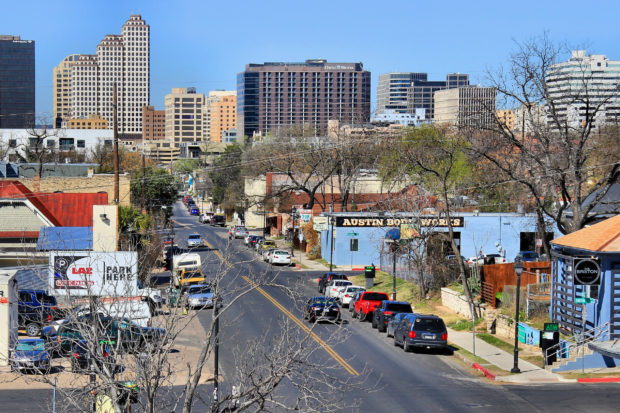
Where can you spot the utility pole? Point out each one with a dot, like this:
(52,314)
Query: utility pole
(114,106)
(143,183)
(216,349)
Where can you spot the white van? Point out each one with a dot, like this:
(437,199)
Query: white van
(132,308)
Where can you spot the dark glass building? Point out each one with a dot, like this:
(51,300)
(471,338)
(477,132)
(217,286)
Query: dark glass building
(279,95)
(420,93)
(16,83)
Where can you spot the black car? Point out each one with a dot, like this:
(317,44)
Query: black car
(81,357)
(420,330)
(322,308)
(386,311)
(35,308)
(328,277)
(218,220)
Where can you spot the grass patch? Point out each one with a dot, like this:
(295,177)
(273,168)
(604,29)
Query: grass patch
(535,360)
(405,290)
(324,262)
(462,324)
(576,375)
(470,358)
(494,341)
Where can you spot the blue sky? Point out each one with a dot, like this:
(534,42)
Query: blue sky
(204,43)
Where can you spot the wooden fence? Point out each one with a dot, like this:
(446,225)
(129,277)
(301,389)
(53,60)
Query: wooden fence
(496,276)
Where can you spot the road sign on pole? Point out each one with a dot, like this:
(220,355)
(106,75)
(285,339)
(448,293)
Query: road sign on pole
(353,234)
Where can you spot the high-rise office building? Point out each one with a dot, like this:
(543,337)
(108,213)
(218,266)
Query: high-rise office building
(220,113)
(466,107)
(392,91)
(420,93)
(62,89)
(17,105)
(184,111)
(584,83)
(279,95)
(122,59)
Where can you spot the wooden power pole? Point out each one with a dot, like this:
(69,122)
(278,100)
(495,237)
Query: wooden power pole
(116,183)
(143,183)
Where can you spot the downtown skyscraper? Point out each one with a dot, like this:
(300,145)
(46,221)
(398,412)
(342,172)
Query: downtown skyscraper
(122,59)
(17,92)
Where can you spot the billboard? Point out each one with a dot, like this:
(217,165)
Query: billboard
(94,273)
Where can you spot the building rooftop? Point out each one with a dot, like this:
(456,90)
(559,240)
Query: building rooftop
(601,237)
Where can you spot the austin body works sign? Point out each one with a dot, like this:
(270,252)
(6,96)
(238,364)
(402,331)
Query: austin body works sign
(94,273)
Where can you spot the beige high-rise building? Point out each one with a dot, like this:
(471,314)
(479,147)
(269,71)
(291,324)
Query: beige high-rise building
(466,107)
(184,116)
(62,89)
(220,113)
(122,59)
(92,122)
(506,117)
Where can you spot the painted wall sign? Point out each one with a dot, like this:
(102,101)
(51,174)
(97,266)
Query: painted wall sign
(397,222)
(587,272)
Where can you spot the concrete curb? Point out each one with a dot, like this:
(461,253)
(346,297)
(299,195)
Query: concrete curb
(484,371)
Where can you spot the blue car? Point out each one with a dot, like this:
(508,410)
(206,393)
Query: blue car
(194,211)
(31,354)
(199,296)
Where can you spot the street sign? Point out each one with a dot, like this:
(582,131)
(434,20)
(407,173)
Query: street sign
(539,242)
(583,300)
(320,220)
(587,272)
(320,226)
(300,236)
(353,234)
(305,215)
(551,327)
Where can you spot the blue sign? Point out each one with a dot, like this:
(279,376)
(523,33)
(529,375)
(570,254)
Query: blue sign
(393,234)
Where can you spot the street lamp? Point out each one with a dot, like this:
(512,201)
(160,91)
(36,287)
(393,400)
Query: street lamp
(518,267)
(331,245)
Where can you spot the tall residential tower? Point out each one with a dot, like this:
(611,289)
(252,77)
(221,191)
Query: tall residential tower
(280,95)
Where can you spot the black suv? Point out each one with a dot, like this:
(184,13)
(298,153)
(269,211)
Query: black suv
(36,308)
(328,277)
(387,310)
(218,220)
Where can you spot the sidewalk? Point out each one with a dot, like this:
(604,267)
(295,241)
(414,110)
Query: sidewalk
(505,361)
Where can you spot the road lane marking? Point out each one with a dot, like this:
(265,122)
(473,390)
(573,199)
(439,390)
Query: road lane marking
(305,328)
(280,307)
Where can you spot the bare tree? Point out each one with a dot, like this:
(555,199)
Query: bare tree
(559,125)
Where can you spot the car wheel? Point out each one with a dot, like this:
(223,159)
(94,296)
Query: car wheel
(405,346)
(381,328)
(388,333)
(374,322)
(33,330)
(395,342)
(354,314)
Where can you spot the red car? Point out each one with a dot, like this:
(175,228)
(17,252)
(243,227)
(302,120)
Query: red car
(367,303)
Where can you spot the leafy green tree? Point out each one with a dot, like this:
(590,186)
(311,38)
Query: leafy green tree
(186,166)
(226,177)
(160,190)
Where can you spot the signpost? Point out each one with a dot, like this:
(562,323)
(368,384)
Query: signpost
(583,300)
(353,234)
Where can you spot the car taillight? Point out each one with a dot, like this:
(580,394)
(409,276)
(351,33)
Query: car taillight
(58,340)
(412,334)
(346,295)
(54,308)
(444,336)
(105,354)
(76,355)
(388,313)
(49,317)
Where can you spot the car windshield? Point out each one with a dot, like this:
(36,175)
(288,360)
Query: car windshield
(45,299)
(196,236)
(530,255)
(324,301)
(199,290)
(354,289)
(341,283)
(280,252)
(429,324)
(400,308)
(375,296)
(38,346)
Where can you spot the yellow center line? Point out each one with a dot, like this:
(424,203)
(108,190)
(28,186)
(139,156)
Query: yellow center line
(305,328)
(280,307)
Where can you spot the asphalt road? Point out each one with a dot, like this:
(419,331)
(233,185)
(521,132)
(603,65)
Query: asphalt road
(390,380)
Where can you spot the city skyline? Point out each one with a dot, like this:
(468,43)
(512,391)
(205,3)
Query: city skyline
(186,53)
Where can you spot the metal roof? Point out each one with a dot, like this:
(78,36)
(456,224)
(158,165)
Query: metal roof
(65,239)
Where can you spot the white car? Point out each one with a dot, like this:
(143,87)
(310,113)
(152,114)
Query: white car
(335,287)
(348,293)
(280,257)
(194,240)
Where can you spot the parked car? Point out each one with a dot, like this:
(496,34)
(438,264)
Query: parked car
(327,277)
(394,322)
(187,199)
(356,297)
(266,245)
(386,310)
(246,240)
(527,256)
(199,296)
(486,259)
(419,330)
(334,288)
(267,254)
(81,357)
(240,232)
(366,304)
(280,257)
(36,308)
(194,240)
(194,210)
(322,308)
(255,239)
(30,354)
(345,297)
(218,220)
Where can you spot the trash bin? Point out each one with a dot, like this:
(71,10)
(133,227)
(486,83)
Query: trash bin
(550,337)
(369,274)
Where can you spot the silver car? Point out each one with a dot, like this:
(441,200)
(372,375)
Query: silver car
(194,240)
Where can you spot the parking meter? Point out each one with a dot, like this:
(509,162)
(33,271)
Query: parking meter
(369,274)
